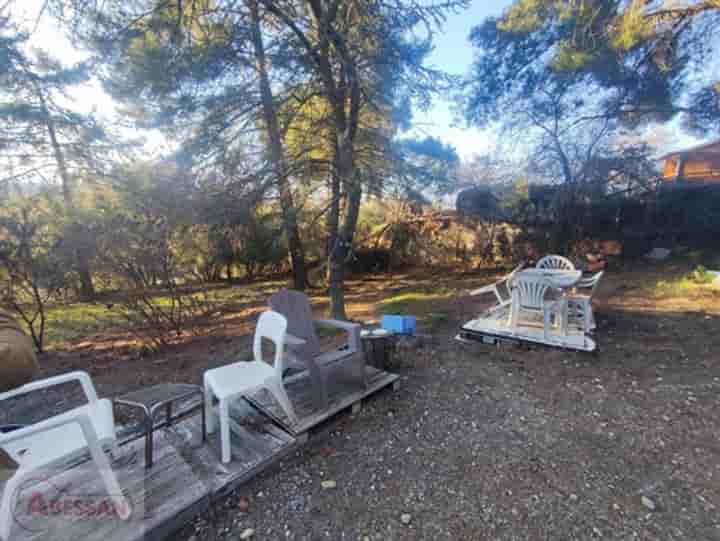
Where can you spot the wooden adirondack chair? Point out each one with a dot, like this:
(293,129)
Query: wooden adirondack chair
(304,345)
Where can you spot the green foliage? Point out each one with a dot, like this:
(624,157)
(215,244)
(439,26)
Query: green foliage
(420,303)
(570,59)
(260,245)
(650,59)
(700,275)
(32,263)
(523,17)
(696,283)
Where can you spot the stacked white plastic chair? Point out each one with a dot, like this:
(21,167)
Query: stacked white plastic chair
(531,296)
(555,262)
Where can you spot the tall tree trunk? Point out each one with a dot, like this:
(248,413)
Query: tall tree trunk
(344,238)
(567,207)
(333,219)
(82,261)
(289,212)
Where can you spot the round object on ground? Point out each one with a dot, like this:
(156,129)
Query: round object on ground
(378,346)
(18,363)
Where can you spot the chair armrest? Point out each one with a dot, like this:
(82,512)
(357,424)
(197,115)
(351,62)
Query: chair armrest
(293,340)
(490,288)
(345,325)
(82,377)
(353,330)
(49,424)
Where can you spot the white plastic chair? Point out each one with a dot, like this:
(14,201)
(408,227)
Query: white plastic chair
(580,301)
(229,382)
(529,295)
(555,262)
(501,289)
(39,447)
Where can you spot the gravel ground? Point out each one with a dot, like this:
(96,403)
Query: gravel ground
(485,443)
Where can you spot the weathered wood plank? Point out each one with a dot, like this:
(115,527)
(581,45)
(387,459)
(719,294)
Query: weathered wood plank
(342,394)
(187,474)
(184,479)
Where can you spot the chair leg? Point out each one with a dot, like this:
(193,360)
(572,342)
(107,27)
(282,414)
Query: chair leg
(319,382)
(122,506)
(9,496)
(564,318)
(225,452)
(275,386)
(589,317)
(512,318)
(209,417)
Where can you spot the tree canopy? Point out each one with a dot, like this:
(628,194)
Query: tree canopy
(648,59)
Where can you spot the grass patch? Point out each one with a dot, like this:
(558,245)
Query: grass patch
(694,283)
(69,322)
(74,321)
(419,304)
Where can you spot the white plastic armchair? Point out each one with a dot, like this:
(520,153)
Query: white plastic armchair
(555,262)
(530,295)
(83,378)
(580,301)
(501,289)
(39,447)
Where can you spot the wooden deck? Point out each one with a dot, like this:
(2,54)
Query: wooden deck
(186,477)
(342,393)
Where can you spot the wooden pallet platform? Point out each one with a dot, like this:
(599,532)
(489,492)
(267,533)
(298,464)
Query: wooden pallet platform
(342,393)
(491,328)
(187,474)
(186,477)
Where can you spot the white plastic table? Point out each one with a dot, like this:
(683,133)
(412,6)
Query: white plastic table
(561,279)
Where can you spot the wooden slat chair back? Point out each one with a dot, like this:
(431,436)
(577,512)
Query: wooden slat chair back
(295,306)
(555,262)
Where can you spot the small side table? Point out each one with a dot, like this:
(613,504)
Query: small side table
(378,346)
(151,399)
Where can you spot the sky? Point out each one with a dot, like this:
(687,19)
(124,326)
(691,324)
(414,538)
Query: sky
(452,53)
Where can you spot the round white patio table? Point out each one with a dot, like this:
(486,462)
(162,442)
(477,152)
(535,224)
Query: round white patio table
(561,279)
